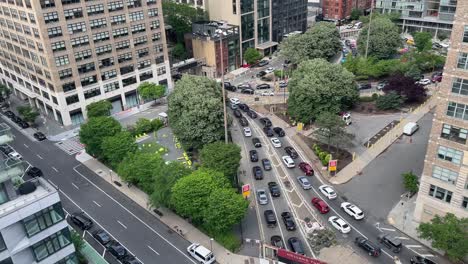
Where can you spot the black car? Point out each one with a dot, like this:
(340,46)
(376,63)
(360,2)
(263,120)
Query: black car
(252,114)
(6,149)
(81,220)
(371,249)
(102,237)
(266,164)
(288,221)
(296,245)
(131,260)
(263,86)
(277,241)
(253,156)
(247,91)
(274,189)
(23,124)
(257,172)
(268,131)
(243,121)
(16,119)
(34,172)
(270,218)
(364,86)
(279,131)
(261,73)
(265,121)
(9,114)
(244,86)
(117,250)
(256,142)
(39,136)
(237,113)
(421,260)
(291,152)
(228,86)
(391,242)
(262,63)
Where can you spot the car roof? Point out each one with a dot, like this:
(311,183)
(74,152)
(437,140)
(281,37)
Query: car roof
(354,208)
(340,221)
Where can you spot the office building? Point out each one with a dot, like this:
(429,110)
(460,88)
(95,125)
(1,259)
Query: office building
(341,9)
(61,55)
(288,16)
(435,16)
(444,181)
(194,3)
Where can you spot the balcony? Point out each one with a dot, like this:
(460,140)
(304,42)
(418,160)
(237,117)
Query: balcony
(5,134)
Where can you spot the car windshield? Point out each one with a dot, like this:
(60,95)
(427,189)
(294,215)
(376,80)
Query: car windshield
(345,226)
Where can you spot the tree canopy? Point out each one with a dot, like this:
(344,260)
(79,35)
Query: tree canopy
(317,86)
(356,13)
(331,129)
(115,148)
(222,157)
(139,168)
(448,233)
(251,56)
(181,17)
(164,180)
(320,41)
(4,92)
(406,87)
(28,113)
(195,110)
(95,130)
(100,108)
(151,91)
(423,41)
(384,38)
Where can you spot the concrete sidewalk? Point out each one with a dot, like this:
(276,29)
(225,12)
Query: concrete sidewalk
(173,221)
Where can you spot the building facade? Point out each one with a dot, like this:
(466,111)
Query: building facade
(288,16)
(444,182)
(435,16)
(194,3)
(61,55)
(341,9)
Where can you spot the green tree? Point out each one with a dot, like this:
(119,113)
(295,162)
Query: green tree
(356,13)
(100,108)
(4,92)
(448,233)
(227,205)
(78,243)
(181,17)
(151,91)
(410,181)
(320,41)
(95,130)
(413,71)
(115,148)
(28,113)
(251,56)
(191,194)
(391,100)
(139,167)
(331,129)
(423,41)
(222,157)
(195,110)
(143,125)
(164,180)
(178,51)
(318,86)
(384,38)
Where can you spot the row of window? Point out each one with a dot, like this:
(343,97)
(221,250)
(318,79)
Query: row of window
(43,219)
(102,36)
(445,195)
(19,15)
(52,244)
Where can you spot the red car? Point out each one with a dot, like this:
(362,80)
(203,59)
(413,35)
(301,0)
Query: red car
(306,168)
(437,78)
(320,205)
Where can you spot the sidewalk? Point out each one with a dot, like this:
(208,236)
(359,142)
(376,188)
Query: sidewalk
(169,218)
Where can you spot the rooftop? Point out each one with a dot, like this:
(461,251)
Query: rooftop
(213,29)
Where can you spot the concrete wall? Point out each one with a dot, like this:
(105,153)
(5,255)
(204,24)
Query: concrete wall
(223,10)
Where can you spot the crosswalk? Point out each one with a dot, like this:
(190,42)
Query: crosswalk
(71,146)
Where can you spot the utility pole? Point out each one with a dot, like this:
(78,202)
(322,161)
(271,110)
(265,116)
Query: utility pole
(221,33)
(369,28)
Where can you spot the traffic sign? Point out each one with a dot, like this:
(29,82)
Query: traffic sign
(246,190)
(332,164)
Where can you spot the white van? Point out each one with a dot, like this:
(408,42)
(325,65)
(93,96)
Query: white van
(201,254)
(358,25)
(410,128)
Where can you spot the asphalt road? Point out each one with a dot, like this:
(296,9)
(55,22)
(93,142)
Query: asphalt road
(82,190)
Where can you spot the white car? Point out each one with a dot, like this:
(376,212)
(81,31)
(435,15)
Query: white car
(247,132)
(276,142)
(270,70)
(201,253)
(339,224)
(352,210)
(15,155)
(424,81)
(234,100)
(328,191)
(267,93)
(304,182)
(283,84)
(288,161)
(262,196)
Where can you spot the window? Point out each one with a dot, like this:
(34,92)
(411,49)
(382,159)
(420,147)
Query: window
(70,259)
(2,244)
(120,19)
(151,2)
(32,18)
(52,244)
(156,36)
(101,36)
(454,133)
(158,48)
(161,71)
(465,35)
(84,68)
(462,60)
(138,28)
(67,73)
(114,6)
(153,12)
(76,27)
(72,99)
(54,32)
(122,45)
(126,69)
(143,52)
(43,219)
(154,24)
(440,193)
(111,87)
(36,33)
(66,2)
(465,202)
(88,80)
(73,13)
(124,57)
(61,60)
(460,86)
(69,87)
(120,32)
(98,23)
(450,154)
(140,40)
(109,75)
(106,62)
(95,9)
(160,59)
(51,17)
(23,16)
(80,41)
(457,110)
(47,3)
(146,76)
(83,55)
(91,93)
(104,49)
(135,16)
(133,3)
(444,174)
(57,46)
(129,81)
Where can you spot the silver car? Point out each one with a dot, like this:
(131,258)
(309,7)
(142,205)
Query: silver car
(262,196)
(304,182)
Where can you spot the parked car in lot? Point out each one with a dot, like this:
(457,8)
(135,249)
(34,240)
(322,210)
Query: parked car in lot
(117,250)
(288,221)
(270,70)
(234,100)
(263,63)
(274,189)
(261,74)
(306,168)
(257,172)
(237,113)
(436,77)
(23,124)
(268,131)
(244,107)
(352,210)
(279,131)
(288,162)
(270,218)
(247,91)
(421,260)
(263,86)
(265,121)
(247,132)
(267,93)
(364,86)
(243,121)
(15,155)
(328,191)
(256,142)
(368,246)
(253,156)
(102,237)
(34,172)
(6,149)
(381,85)
(291,152)
(296,245)
(262,197)
(9,114)
(304,182)
(228,86)
(276,241)
(320,205)
(266,164)
(252,114)
(424,82)
(283,84)
(201,253)
(39,136)
(390,242)
(339,224)
(276,142)
(81,220)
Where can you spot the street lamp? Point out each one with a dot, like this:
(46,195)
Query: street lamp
(110,173)
(211,244)
(222,33)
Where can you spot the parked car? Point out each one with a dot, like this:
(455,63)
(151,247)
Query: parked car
(424,82)
(276,142)
(328,191)
(365,244)
(270,218)
(257,172)
(263,86)
(421,260)
(39,136)
(339,224)
(306,168)
(130,260)
(364,86)
(270,70)
(102,237)
(17,119)
(244,86)
(266,164)
(320,205)
(9,114)
(288,221)
(265,121)
(296,245)
(262,196)
(34,172)
(6,149)
(23,124)
(252,114)
(352,210)
(304,182)
(261,74)
(381,85)
(253,156)
(390,242)
(201,253)
(247,132)
(276,241)
(237,113)
(437,78)
(234,100)
(247,91)
(117,250)
(81,220)
(15,155)
(268,131)
(256,142)
(291,152)
(274,189)
(228,86)
(243,121)
(263,63)
(244,107)
(283,84)
(288,162)
(279,131)
(267,93)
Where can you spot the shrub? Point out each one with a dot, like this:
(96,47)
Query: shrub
(375,96)
(389,101)
(143,125)
(156,124)
(228,240)
(366,99)
(411,182)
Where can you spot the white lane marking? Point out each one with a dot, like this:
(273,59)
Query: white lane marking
(26,145)
(39,156)
(427,255)
(74,185)
(413,246)
(97,204)
(402,238)
(121,224)
(132,214)
(388,229)
(153,250)
(54,169)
